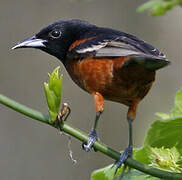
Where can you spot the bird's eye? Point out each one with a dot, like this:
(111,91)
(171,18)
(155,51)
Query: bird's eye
(55,34)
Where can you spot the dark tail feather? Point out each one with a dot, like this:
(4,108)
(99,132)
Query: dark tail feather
(150,62)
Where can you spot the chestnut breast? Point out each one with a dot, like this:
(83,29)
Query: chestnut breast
(124,84)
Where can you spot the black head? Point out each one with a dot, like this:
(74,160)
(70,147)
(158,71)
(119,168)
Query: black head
(57,37)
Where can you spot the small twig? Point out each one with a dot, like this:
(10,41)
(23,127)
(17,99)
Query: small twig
(62,116)
(99,146)
(65,112)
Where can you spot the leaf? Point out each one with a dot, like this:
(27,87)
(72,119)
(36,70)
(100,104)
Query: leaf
(147,5)
(162,115)
(53,93)
(141,155)
(178,104)
(161,158)
(137,175)
(165,133)
(159,7)
(164,158)
(151,5)
(107,174)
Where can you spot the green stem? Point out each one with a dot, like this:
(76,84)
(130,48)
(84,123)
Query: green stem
(24,109)
(99,146)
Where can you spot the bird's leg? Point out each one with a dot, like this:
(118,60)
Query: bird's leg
(92,135)
(99,107)
(129,150)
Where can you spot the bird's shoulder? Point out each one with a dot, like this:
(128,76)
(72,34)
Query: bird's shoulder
(110,42)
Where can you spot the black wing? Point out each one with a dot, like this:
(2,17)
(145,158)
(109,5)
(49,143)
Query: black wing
(122,45)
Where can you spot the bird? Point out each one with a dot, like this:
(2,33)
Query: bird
(107,63)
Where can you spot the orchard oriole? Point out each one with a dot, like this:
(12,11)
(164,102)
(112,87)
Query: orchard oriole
(106,63)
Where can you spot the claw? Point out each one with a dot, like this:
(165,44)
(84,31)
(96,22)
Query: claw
(125,155)
(92,138)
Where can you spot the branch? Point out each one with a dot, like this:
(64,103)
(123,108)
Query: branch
(78,134)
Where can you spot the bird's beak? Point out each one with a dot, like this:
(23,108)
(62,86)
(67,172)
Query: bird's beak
(31,42)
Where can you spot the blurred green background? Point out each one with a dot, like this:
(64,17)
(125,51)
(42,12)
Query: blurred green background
(31,150)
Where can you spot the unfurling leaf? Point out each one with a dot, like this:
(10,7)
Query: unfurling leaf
(53,91)
(164,158)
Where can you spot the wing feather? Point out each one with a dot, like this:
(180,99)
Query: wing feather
(120,46)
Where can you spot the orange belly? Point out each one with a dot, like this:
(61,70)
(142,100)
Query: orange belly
(123,84)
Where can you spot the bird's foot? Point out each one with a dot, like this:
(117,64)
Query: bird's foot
(92,138)
(124,156)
